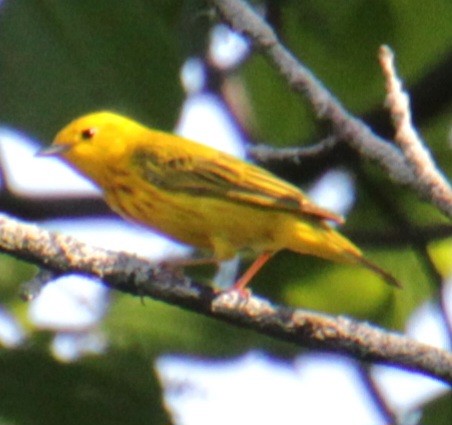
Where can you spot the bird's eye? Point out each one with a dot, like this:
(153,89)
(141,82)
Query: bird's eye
(88,133)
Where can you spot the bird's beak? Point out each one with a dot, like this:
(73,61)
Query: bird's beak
(53,150)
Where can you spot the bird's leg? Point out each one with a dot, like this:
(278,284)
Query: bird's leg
(250,273)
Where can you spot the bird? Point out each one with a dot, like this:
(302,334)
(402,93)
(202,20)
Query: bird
(201,196)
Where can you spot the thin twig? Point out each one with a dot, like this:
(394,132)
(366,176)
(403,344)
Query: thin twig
(265,153)
(414,149)
(399,238)
(137,276)
(242,18)
(377,395)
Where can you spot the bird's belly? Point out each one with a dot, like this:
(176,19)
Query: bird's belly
(222,226)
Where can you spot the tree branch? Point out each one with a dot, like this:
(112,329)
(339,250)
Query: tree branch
(265,153)
(137,276)
(353,131)
(417,156)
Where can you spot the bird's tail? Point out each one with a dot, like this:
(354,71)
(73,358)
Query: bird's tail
(320,240)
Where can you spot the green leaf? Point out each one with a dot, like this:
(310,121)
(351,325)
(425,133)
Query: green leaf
(118,388)
(60,60)
(438,411)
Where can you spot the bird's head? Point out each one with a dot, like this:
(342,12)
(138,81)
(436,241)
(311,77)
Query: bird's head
(95,141)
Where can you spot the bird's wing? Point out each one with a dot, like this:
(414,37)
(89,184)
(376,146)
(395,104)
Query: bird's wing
(220,175)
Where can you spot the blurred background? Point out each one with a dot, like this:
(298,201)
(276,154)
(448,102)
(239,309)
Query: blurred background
(80,353)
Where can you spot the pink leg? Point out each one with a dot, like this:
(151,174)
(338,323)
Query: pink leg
(252,270)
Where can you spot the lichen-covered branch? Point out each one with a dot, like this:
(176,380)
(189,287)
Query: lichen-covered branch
(129,273)
(416,154)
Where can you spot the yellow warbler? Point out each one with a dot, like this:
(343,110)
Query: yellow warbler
(200,196)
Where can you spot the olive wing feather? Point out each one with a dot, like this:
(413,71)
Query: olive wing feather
(224,176)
